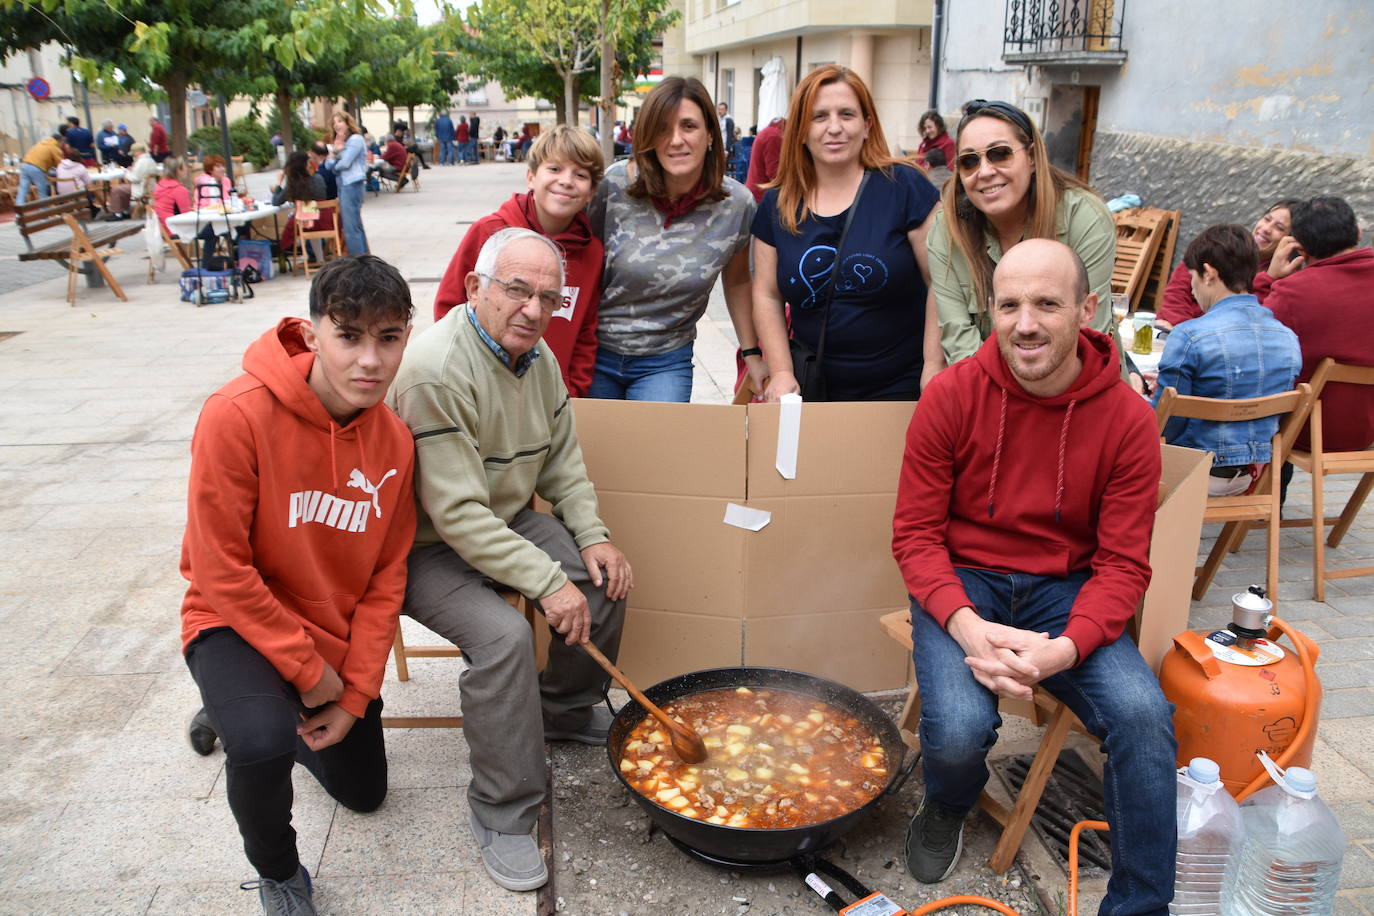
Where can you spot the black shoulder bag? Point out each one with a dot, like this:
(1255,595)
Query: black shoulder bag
(808,365)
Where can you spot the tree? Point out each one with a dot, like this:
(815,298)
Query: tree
(535,46)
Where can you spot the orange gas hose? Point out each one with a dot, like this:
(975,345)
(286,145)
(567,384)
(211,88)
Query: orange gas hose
(961,901)
(1073,859)
(1309,711)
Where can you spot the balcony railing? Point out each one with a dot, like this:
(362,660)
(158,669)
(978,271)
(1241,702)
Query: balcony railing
(1064,31)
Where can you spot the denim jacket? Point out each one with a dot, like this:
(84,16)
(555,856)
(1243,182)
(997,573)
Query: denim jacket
(1238,349)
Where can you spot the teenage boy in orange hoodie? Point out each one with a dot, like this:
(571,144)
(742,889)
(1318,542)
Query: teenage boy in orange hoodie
(300,517)
(565,166)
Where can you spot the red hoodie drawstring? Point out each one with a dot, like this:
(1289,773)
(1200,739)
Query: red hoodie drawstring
(997,452)
(1063,448)
(362,453)
(333,464)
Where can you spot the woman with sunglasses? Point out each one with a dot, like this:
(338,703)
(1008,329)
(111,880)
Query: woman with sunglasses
(672,222)
(1006,191)
(862,318)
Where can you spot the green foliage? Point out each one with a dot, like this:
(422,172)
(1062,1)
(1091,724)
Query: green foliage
(247,138)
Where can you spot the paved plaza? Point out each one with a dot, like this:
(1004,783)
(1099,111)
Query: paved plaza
(106,810)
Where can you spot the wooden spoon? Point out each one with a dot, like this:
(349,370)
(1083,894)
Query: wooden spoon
(687,744)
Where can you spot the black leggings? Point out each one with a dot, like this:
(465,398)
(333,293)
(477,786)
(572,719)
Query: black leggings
(255,711)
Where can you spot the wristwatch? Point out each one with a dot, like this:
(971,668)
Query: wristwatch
(751,351)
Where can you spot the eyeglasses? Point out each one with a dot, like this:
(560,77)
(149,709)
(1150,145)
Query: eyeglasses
(517,291)
(996,155)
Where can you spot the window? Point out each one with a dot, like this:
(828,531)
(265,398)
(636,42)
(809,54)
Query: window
(727,89)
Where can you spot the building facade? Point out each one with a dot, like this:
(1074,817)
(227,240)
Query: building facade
(1214,109)
(726,43)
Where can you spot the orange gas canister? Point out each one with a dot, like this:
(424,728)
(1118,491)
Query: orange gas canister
(1236,692)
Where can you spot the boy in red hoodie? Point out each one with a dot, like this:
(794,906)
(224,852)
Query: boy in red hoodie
(300,517)
(565,166)
(1022,530)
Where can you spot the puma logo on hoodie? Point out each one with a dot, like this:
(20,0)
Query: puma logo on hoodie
(305,506)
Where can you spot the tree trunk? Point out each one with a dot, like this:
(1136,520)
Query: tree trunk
(410,110)
(390,118)
(175,84)
(607,117)
(288,140)
(570,97)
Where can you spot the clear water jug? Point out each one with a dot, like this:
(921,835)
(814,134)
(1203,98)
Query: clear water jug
(1290,861)
(1209,836)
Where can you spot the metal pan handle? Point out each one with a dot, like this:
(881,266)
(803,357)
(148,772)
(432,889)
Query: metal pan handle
(903,774)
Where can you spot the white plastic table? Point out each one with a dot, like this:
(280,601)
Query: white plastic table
(185,225)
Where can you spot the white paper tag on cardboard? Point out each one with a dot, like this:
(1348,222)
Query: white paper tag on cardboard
(746,518)
(789,433)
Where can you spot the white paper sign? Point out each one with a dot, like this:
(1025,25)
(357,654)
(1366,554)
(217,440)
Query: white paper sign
(746,518)
(789,431)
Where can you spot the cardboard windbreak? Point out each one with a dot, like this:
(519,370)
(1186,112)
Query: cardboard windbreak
(806,591)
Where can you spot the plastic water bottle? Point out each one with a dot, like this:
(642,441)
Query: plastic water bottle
(1209,836)
(1290,861)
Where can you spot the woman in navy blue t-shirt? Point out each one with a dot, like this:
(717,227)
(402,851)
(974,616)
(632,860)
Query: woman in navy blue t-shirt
(877,308)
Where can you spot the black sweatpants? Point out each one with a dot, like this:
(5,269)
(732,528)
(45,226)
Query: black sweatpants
(255,712)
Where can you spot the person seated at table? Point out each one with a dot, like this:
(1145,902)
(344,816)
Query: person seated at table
(394,160)
(71,172)
(107,142)
(401,131)
(937,167)
(170,196)
(1235,349)
(933,137)
(298,184)
(213,174)
(1022,531)
(126,146)
(43,157)
(322,165)
(139,178)
(1178,305)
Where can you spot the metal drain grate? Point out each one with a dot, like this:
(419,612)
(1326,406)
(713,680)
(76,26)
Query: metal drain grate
(1072,794)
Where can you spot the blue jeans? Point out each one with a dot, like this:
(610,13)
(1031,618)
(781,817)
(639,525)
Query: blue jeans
(470,151)
(661,377)
(351,216)
(30,174)
(446,153)
(1112,691)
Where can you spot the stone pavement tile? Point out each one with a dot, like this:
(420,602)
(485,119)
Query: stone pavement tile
(45,545)
(220,898)
(121,650)
(22,822)
(1346,674)
(1348,904)
(106,767)
(162,541)
(1351,606)
(169,703)
(1362,586)
(33,643)
(1357,869)
(1344,704)
(132,842)
(1343,627)
(1293,608)
(426,758)
(1350,739)
(1356,819)
(421,831)
(21,518)
(97,515)
(121,901)
(1359,648)
(69,705)
(402,893)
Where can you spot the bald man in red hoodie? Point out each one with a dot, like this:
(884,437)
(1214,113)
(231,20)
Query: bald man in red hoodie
(1022,530)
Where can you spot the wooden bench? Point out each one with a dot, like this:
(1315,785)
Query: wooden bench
(81,248)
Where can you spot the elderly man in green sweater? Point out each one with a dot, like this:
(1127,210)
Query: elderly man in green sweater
(493,426)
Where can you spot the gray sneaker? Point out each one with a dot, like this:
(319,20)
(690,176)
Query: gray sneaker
(512,859)
(593,731)
(933,842)
(291,897)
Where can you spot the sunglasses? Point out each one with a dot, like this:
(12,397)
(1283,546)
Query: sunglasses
(996,155)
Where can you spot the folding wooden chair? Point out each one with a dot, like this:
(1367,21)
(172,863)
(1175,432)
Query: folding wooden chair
(82,252)
(402,653)
(1139,234)
(1261,502)
(1321,464)
(304,235)
(1045,710)
(408,172)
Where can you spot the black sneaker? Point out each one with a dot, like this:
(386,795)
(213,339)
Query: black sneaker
(202,734)
(933,843)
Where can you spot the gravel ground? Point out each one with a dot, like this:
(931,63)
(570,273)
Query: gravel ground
(610,861)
